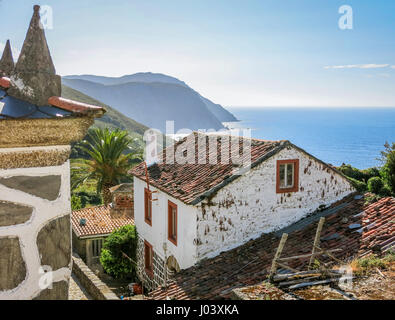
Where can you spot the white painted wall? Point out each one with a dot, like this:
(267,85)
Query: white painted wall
(156,235)
(259,209)
(43,212)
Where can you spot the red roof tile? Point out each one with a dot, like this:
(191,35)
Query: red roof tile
(98,221)
(76,107)
(250,263)
(4,82)
(191,182)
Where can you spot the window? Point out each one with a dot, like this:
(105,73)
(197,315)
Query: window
(97,245)
(147,207)
(148,258)
(172,222)
(287,176)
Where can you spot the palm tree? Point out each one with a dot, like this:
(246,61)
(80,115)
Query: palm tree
(108,163)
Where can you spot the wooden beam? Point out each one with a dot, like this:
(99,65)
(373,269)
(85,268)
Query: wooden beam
(316,240)
(312,283)
(280,247)
(327,252)
(283,265)
(307,255)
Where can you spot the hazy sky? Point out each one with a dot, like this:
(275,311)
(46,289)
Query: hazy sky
(235,52)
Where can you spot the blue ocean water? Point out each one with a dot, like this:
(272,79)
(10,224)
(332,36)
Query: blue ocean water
(335,135)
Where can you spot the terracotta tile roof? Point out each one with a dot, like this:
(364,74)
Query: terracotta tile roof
(15,108)
(191,183)
(4,82)
(98,221)
(356,228)
(122,188)
(76,107)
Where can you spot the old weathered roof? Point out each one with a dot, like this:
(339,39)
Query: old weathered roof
(98,221)
(356,228)
(191,183)
(122,188)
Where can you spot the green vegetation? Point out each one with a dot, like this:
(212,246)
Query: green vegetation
(112,118)
(375,184)
(360,186)
(108,162)
(119,243)
(379,181)
(365,265)
(388,169)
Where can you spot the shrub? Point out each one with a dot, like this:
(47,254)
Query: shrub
(375,184)
(86,199)
(358,185)
(76,203)
(388,170)
(370,173)
(122,240)
(385,191)
(351,172)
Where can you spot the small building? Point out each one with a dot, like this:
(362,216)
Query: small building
(193,210)
(92,225)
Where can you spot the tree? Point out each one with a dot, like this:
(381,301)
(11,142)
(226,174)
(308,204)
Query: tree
(108,163)
(388,169)
(119,242)
(375,185)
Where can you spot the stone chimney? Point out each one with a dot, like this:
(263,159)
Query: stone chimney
(122,205)
(35,228)
(34,78)
(6,62)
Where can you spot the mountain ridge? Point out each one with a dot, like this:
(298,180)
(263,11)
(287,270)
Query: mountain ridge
(153,93)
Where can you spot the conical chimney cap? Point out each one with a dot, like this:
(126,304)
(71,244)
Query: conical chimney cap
(35,55)
(34,78)
(6,61)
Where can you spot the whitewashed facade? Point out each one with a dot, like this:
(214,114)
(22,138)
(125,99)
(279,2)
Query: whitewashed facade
(238,212)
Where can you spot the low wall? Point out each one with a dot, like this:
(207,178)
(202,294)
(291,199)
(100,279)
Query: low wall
(93,285)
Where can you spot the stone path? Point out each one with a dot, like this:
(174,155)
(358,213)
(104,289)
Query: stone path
(77,291)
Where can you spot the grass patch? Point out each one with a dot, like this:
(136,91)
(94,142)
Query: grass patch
(364,266)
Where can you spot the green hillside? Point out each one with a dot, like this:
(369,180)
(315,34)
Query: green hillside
(111,119)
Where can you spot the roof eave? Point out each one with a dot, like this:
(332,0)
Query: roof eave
(77,107)
(5,83)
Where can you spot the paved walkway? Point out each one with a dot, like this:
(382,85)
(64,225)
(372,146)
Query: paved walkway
(76,290)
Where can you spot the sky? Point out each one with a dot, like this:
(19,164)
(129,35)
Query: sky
(234,52)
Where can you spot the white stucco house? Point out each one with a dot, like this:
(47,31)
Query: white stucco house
(191,210)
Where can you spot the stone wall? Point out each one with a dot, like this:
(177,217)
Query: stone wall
(250,206)
(92,284)
(35,233)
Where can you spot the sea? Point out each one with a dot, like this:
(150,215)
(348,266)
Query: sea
(335,135)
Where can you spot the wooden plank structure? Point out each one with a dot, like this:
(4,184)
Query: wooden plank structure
(299,279)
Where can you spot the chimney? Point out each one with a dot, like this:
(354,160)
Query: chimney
(6,62)
(122,205)
(34,78)
(35,173)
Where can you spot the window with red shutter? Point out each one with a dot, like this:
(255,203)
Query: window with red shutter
(148,258)
(287,176)
(147,207)
(172,222)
